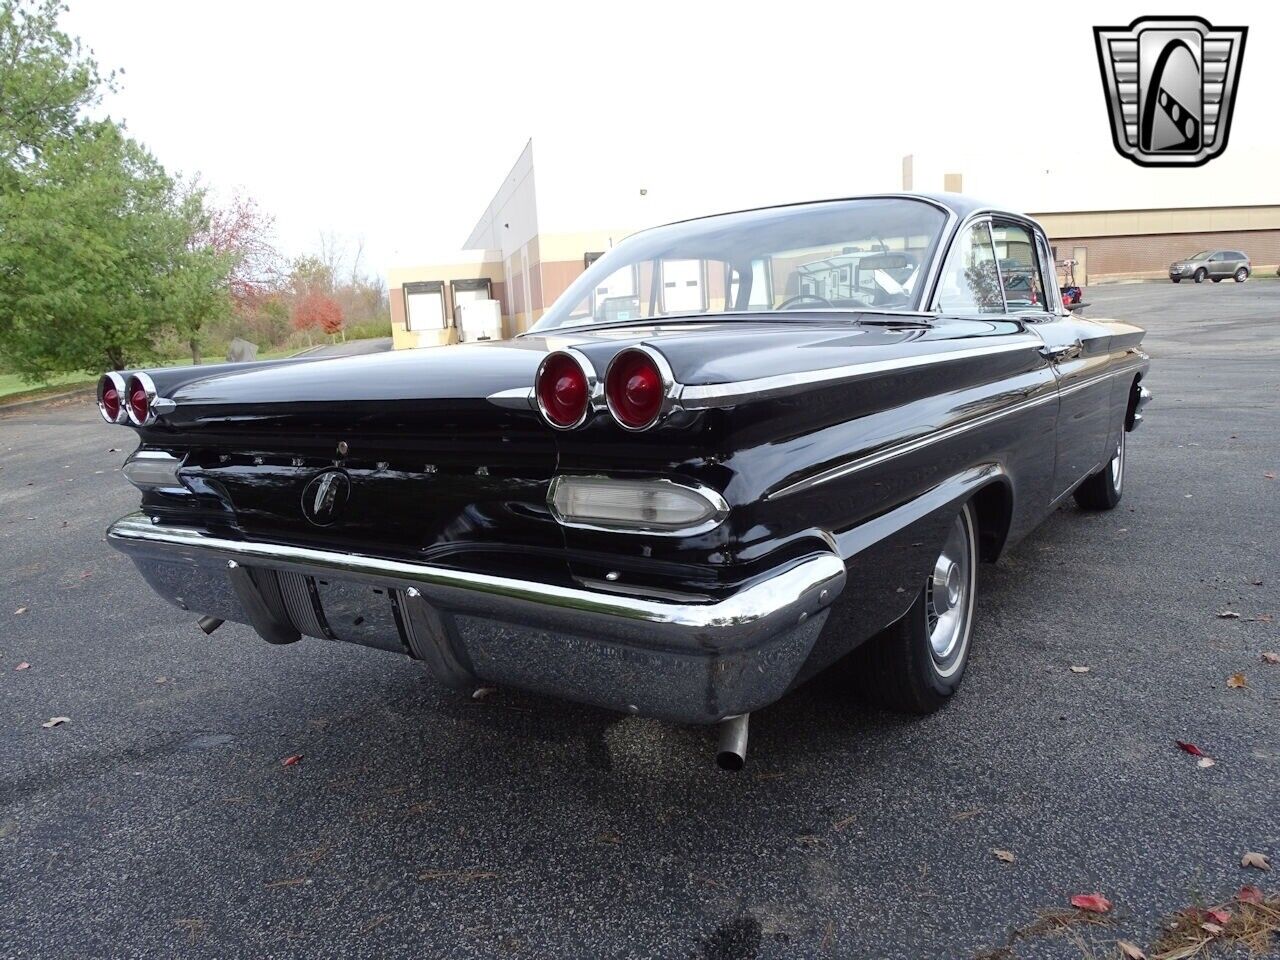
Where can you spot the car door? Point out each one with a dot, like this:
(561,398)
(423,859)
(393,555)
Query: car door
(1079,351)
(1220,265)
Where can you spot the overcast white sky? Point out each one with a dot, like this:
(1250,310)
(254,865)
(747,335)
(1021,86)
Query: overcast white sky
(396,122)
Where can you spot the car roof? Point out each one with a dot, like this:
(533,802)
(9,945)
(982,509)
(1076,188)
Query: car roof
(959,204)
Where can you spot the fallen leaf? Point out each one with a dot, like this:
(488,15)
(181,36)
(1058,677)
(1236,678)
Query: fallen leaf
(162,679)
(1131,950)
(23,666)
(1219,915)
(55,722)
(1190,748)
(482,692)
(1236,681)
(1228,615)
(1270,657)
(1204,762)
(1256,860)
(1211,928)
(291,761)
(1092,902)
(1249,894)
(1079,669)
(20,611)
(1005,856)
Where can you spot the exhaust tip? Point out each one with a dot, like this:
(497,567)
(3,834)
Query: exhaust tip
(209,624)
(728,760)
(732,752)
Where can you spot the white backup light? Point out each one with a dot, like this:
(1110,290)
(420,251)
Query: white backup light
(642,506)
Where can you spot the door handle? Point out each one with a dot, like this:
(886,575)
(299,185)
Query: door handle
(1059,354)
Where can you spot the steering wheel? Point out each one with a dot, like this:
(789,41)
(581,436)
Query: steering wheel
(800,297)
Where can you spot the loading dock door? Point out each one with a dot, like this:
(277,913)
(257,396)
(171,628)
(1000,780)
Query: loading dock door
(424,305)
(465,291)
(683,290)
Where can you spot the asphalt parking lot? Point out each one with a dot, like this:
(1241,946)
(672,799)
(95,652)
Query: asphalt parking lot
(160,820)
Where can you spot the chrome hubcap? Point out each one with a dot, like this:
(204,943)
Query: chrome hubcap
(1117,466)
(948,599)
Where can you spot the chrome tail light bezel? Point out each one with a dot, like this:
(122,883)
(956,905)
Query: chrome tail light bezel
(670,388)
(116,382)
(593,388)
(149,389)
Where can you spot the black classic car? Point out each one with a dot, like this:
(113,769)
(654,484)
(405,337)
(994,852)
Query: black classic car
(669,512)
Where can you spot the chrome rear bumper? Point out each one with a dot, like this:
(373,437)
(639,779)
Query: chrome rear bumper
(696,659)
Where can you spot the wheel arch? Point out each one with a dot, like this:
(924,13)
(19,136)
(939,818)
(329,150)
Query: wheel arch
(993,513)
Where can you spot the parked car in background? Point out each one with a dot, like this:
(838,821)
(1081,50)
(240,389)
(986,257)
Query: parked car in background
(682,513)
(1215,265)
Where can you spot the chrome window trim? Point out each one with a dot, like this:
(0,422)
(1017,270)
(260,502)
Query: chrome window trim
(713,497)
(712,395)
(903,447)
(594,387)
(670,387)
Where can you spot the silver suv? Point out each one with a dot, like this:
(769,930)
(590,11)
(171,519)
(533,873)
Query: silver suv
(1216,265)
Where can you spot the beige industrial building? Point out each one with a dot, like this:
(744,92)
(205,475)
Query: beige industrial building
(533,240)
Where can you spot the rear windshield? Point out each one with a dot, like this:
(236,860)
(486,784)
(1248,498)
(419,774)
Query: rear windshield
(869,254)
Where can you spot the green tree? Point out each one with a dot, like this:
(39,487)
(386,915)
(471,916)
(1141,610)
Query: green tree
(98,255)
(93,261)
(46,83)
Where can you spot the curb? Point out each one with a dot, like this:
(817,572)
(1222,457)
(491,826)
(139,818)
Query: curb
(19,405)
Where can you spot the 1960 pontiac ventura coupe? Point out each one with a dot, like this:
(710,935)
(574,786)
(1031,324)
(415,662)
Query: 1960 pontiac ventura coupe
(736,450)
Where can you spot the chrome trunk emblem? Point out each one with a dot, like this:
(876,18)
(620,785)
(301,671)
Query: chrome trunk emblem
(325,496)
(1171,85)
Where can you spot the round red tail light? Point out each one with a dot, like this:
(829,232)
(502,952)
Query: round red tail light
(636,388)
(563,388)
(140,400)
(111,398)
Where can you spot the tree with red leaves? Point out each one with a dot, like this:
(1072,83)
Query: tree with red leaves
(317,311)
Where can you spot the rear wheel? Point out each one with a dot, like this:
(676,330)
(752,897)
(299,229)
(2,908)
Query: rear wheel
(1200,275)
(1242,275)
(917,664)
(1103,489)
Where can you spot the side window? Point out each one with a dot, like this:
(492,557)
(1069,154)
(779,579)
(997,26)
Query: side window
(1016,254)
(970,283)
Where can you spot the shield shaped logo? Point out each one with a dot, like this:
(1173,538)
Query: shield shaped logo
(1171,86)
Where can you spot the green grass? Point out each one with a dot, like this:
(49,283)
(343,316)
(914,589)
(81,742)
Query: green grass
(13,387)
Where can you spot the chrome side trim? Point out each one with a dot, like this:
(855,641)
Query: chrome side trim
(713,497)
(762,609)
(517,398)
(707,396)
(901,448)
